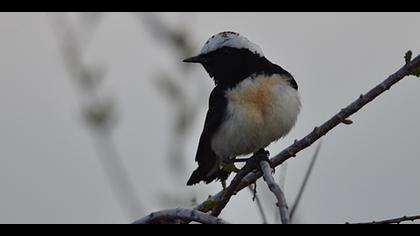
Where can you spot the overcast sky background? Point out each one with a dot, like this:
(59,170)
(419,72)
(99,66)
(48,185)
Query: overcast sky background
(49,171)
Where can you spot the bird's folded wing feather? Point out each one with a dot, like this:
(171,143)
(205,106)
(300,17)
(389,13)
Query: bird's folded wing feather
(207,159)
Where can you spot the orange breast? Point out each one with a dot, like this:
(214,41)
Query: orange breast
(255,97)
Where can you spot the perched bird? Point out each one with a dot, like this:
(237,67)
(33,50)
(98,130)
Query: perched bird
(254,103)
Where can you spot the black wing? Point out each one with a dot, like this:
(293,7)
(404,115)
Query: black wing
(278,69)
(271,68)
(208,161)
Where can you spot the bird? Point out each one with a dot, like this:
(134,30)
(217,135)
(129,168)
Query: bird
(254,103)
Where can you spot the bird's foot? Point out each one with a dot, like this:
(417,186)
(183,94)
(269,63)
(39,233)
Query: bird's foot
(260,155)
(263,153)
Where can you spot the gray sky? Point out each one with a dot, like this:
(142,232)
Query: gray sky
(49,171)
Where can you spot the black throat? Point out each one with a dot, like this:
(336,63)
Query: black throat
(230,66)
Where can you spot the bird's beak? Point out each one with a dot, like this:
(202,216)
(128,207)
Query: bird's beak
(196,59)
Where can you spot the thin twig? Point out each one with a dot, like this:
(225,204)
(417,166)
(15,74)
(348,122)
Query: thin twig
(392,221)
(275,188)
(172,215)
(322,130)
(258,202)
(305,180)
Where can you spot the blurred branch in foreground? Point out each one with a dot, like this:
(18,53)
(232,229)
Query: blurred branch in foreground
(97,108)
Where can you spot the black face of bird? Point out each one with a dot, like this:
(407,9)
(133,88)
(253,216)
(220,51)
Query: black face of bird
(228,65)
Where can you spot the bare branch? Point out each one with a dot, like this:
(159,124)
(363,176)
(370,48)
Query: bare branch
(392,221)
(275,188)
(322,130)
(258,202)
(305,180)
(172,215)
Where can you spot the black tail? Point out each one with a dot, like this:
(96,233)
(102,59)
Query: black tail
(196,177)
(207,174)
(204,172)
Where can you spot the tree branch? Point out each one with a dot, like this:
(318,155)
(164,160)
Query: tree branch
(258,202)
(320,131)
(305,180)
(392,221)
(172,215)
(231,189)
(275,188)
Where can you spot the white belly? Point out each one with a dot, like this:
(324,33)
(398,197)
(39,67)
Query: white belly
(259,111)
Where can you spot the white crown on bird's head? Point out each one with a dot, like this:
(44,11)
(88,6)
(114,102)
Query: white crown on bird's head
(230,39)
